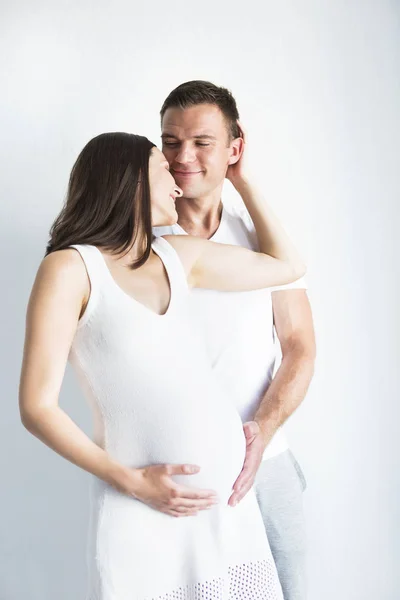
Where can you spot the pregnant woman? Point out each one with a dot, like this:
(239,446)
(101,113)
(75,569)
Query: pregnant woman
(168,445)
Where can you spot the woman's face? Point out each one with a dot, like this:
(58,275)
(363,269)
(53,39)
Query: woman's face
(163,190)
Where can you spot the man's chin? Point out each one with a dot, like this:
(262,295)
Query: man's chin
(189,190)
(191,194)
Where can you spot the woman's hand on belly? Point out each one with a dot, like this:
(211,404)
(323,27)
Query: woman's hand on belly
(155,487)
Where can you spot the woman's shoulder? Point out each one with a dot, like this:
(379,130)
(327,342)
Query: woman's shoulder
(61,261)
(61,286)
(63,268)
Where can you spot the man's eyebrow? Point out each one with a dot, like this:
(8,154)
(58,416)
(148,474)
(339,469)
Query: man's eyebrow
(202,136)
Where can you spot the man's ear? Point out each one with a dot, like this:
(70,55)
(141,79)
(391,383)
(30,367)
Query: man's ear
(236,151)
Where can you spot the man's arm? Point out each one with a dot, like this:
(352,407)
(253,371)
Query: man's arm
(295,330)
(294,327)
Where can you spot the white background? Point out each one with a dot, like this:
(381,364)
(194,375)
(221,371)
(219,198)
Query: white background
(317,84)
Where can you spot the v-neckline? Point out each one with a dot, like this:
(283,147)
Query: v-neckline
(134,300)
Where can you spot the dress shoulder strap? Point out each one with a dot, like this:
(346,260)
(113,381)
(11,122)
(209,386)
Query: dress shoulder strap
(173,264)
(95,269)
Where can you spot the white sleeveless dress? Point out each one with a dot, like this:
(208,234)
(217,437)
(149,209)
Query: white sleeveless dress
(155,400)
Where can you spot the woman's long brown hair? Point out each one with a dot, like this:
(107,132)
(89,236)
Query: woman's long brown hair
(108,198)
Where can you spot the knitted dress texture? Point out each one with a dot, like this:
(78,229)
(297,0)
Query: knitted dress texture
(155,400)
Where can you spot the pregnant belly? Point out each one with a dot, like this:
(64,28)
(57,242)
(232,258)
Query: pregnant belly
(217,447)
(214,441)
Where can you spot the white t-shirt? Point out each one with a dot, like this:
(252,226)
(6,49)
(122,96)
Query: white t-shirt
(238,327)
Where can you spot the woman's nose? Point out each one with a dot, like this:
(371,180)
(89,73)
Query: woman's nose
(178,191)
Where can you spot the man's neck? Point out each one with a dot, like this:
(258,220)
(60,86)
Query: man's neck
(200,217)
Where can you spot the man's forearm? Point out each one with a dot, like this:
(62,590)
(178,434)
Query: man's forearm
(285,393)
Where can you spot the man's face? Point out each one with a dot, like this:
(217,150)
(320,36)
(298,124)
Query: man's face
(196,143)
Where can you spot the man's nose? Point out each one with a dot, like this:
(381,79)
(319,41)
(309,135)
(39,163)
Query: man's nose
(185,154)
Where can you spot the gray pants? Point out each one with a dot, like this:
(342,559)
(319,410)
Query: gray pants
(279,489)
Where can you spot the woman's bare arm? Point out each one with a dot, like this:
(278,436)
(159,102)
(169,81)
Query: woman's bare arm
(58,297)
(233,268)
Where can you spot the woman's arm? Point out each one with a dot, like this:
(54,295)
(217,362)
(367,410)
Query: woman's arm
(233,268)
(58,299)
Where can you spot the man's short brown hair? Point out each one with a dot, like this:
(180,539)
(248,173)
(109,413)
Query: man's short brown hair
(197,92)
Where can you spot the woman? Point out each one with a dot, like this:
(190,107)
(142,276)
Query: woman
(167,442)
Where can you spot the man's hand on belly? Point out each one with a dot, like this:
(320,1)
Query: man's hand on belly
(254,452)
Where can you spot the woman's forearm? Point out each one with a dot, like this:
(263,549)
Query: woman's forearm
(57,430)
(272,238)
(152,485)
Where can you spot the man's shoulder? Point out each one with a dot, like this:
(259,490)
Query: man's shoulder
(236,228)
(238,214)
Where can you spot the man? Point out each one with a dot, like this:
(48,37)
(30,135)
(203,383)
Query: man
(203,143)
